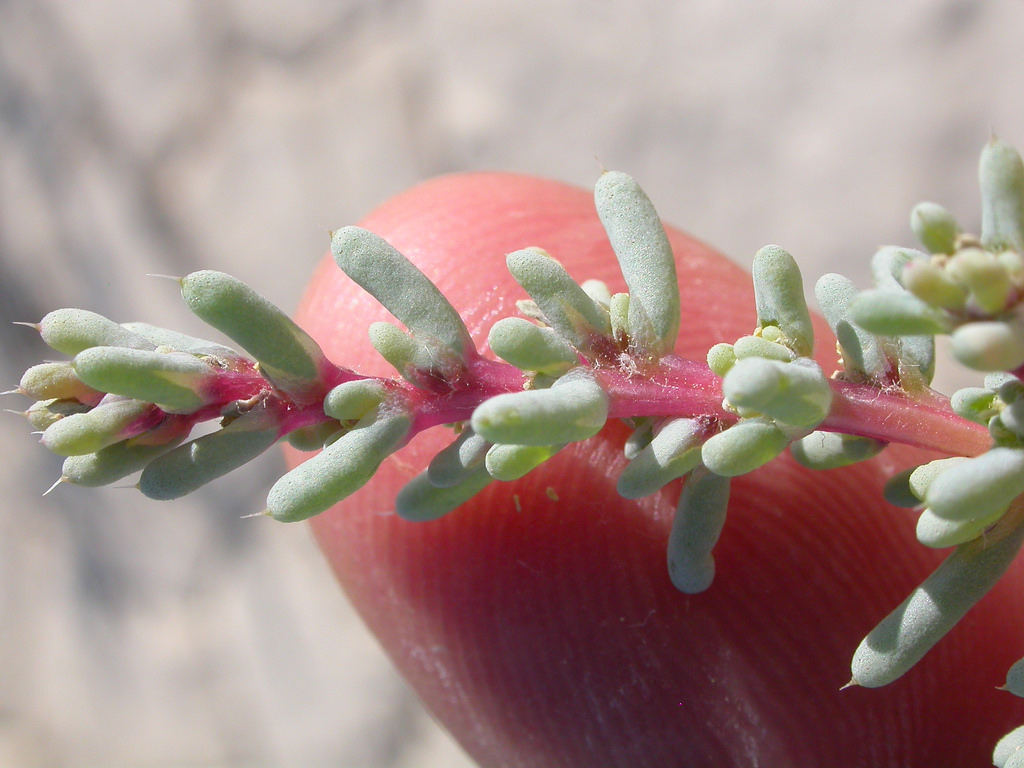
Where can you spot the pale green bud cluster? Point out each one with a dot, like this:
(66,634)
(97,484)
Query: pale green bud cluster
(969,287)
(770,381)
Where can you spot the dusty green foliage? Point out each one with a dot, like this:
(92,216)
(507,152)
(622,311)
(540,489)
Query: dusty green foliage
(131,394)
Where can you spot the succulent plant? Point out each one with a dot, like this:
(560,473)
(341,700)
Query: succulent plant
(578,356)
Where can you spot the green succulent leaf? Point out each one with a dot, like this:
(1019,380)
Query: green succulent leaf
(403,289)
(340,469)
(696,527)
(645,257)
(831,450)
(192,465)
(287,355)
(456,462)
(511,462)
(178,382)
(574,408)
(1001,176)
(564,305)
(796,393)
(978,487)
(1010,747)
(674,450)
(930,611)
(69,331)
(743,447)
(422,501)
(779,296)
(530,347)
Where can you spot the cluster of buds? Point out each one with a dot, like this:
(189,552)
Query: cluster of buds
(967,286)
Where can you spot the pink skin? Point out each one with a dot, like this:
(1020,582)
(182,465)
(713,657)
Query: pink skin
(538,623)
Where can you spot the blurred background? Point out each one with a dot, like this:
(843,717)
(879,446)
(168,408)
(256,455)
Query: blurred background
(166,136)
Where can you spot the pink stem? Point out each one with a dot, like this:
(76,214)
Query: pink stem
(680,388)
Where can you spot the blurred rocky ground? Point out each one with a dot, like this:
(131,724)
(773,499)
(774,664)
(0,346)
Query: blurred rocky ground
(165,136)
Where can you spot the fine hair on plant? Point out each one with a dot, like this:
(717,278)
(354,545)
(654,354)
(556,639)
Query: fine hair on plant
(577,356)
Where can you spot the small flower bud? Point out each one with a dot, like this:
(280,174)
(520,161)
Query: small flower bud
(1009,388)
(934,285)
(984,276)
(889,263)
(935,227)
(757,346)
(989,345)
(1012,418)
(618,313)
(721,357)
